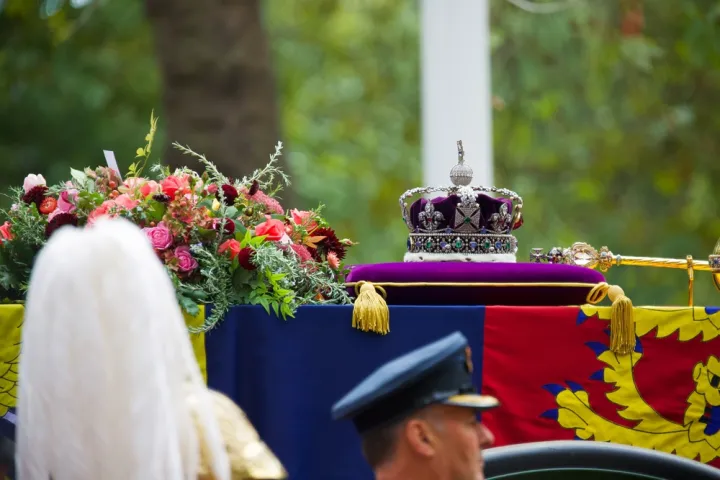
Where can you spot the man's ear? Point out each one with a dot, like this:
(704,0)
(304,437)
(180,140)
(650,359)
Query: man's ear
(421,437)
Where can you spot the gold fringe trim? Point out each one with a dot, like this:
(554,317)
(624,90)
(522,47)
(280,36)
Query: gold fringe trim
(371,313)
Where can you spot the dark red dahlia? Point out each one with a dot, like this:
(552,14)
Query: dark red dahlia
(35,195)
(229,225)
(60,220)
(331,243)
(254,188)
(245,258)
(230,193)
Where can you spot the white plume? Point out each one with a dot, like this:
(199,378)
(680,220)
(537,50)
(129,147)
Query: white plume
(105,366)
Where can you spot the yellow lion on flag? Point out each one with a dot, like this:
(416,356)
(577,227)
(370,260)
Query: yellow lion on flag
(699,435)
(10,330)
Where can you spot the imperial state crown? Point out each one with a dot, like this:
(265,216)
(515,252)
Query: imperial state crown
(464,225)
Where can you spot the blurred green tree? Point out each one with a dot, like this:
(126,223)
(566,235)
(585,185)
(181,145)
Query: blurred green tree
(217,82)
(72,84)
(609,131)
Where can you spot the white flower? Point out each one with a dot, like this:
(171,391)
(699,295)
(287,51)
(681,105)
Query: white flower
(33,180)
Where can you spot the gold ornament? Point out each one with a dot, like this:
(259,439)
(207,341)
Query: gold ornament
(250,458)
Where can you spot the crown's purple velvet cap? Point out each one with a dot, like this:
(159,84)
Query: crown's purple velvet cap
(447,205)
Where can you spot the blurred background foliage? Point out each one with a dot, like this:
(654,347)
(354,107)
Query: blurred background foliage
(605,116)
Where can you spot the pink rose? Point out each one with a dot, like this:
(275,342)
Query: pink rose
(272,229)
(66,201)
(101,211)
(126,202)
(32,181)
(111,208)
(133,183)
(150,187)
(186,262)
(301,217)
(160,236)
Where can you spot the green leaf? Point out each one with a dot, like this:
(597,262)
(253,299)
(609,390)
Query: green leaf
(198,295)
(277,216)
(79,176)
(231,212)
(264,302)
(256,241)
(206,202)
(206,232)
(241,278)
(188,305)
(245,239)
(276,308)
(155,210)
(240,230)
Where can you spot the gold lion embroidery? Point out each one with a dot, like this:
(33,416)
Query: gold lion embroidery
(698,437)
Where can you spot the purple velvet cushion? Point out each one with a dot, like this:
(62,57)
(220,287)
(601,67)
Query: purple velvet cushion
(479,272)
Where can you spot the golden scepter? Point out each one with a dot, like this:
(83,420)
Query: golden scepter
(584,255)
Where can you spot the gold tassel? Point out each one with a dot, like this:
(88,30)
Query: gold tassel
(622,322)
(371,313)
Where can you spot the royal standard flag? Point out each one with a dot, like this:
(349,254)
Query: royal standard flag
(558,380)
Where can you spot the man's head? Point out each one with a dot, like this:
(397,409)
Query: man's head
(441,441)
(417,415)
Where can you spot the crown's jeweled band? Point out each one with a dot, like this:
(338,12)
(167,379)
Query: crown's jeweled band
(461,243)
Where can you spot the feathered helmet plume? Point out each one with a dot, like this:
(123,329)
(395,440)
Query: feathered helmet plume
(110,386)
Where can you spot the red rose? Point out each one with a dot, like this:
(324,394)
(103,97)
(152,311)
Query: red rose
(272,229)
(6,232)
(172,185)
(232,246)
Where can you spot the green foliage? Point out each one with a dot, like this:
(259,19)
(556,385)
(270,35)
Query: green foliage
(136,168)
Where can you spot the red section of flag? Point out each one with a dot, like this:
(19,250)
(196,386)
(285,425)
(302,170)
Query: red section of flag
(529,348)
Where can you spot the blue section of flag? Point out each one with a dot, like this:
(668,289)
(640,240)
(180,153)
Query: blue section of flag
(286,375)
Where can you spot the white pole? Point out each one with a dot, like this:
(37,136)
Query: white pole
(456,91)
